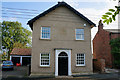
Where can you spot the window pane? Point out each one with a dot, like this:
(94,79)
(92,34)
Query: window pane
(45,33)
(45,59)
(80,34)
(80,59)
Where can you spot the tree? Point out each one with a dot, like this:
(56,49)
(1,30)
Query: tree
(4,56)
(110,16)
(115,45)
(20,45)
(13,32)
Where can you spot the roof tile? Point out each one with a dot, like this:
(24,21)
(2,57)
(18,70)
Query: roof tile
(21,51)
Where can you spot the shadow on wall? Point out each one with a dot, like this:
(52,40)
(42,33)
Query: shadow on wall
(99,65)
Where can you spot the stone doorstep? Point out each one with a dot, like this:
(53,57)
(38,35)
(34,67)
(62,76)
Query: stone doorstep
(64,77)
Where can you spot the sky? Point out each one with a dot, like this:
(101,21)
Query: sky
(92,9)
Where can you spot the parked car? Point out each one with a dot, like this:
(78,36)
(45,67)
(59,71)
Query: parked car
(7,65)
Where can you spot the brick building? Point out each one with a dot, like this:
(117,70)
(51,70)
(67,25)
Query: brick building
(101,47)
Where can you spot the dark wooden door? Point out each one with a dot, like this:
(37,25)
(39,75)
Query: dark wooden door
(62,66)
(26,61)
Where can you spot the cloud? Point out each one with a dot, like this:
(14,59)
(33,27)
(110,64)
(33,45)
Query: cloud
(9,19)
(95,14)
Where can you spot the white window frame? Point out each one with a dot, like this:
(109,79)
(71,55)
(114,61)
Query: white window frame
(80,64)
(40,60)
(81,34)
(41,33)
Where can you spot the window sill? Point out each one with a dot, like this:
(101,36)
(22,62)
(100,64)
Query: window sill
(44,66)
(79,40)
(80,65)
(44,39)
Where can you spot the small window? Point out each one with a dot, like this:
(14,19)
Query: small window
(45,32)
(80,61)
(44,59)
(79,34)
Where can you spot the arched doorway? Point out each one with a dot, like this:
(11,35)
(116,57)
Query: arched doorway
(63,64)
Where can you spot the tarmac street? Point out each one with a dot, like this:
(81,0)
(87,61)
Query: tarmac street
(21,73)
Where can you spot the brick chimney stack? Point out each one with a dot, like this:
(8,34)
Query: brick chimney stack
(100,25)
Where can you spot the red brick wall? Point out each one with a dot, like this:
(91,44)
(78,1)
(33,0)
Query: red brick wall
(115,35)
(101,47)
(99,65)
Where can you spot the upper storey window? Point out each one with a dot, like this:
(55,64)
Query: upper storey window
(79,34)
(45,32)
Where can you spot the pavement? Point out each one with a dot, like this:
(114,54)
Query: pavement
(21,73)
(111,76)
(105,76)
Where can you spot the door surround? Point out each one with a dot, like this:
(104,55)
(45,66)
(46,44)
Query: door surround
(57,52)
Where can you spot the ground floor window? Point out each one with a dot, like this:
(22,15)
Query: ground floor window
(80,59)
(44,59)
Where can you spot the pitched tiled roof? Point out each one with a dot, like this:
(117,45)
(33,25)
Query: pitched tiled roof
(30,22)
(21,51)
